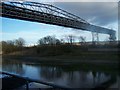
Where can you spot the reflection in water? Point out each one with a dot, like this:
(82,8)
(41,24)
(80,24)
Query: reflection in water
(50,73)
(12,66)
(61,75)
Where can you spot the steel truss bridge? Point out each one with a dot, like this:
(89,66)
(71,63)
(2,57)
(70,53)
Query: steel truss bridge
(49,14)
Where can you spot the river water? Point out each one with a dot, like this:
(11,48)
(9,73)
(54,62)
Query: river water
(71,75)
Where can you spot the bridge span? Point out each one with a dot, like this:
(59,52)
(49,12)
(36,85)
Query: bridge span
(49,14)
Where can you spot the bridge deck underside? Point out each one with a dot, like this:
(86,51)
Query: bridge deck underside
(10,11)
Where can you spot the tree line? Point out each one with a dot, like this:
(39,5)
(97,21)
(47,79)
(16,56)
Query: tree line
(12,45)
(19,44)
(68,39)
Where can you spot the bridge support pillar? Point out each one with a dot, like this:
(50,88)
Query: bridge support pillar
(112,37)
(95,38)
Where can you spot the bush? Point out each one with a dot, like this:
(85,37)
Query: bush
(53,50)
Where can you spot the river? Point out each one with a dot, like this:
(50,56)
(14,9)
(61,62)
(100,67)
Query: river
(71,75)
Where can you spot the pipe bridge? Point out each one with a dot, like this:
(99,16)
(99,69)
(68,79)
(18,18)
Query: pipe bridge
(49,14)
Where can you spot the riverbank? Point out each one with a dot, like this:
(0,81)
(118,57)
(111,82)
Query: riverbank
(59,59)
(71,53)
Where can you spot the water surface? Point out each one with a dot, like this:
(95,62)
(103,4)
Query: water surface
(71,75)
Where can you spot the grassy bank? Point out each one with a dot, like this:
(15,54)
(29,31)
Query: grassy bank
(66,53)
(59,60)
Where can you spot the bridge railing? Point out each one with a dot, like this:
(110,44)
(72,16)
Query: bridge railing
(28,80)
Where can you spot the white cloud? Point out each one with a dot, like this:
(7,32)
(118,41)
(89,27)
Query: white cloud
(93,12)
(75,0)
(87,0)
(32,37)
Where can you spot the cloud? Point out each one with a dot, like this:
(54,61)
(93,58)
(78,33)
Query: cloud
(32,37)
(75,0)
(87,0)
(98,13)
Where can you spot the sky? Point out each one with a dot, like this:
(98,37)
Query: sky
(104,14)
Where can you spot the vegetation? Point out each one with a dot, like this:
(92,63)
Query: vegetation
(67,48)
(0,47)
(49,40)
(12,46)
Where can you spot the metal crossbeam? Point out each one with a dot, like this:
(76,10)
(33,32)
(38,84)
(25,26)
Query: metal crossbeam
(49,14)
(46,8)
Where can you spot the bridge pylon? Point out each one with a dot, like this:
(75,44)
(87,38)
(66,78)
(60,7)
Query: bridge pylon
(95,38)
(112,37)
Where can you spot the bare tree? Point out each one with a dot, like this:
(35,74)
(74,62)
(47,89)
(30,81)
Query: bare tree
(66,39)
(62,41)
(50,40)
(82,39)
(10,42)
(20,42)
(70,38)
(0,47)
(41,42)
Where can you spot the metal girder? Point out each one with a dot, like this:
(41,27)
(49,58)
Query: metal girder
(46,8)
(45,13)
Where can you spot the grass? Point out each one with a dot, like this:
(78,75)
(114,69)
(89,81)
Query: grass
(64,53)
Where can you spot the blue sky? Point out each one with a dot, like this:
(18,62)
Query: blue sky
(32,31)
